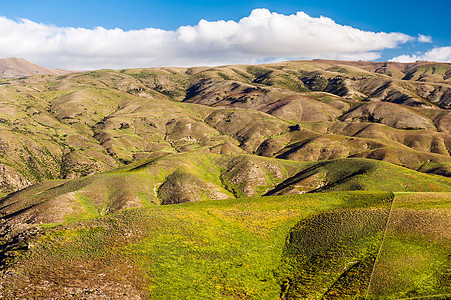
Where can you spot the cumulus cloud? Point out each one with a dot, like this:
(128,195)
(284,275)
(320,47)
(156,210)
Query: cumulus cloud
(262,36)
(439,54)
(424,38)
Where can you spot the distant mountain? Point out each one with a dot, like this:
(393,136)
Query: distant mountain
(14,67)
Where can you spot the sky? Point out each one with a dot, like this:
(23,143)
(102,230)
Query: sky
(96,34)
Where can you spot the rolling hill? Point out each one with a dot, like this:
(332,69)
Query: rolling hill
(297,180)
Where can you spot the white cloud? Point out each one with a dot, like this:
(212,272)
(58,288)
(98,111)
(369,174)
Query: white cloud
(262,36)
(439,54)
(424,38)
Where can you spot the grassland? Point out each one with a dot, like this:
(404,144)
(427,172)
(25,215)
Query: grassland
(297,180)
(201,176)
(414,260)
(331,245)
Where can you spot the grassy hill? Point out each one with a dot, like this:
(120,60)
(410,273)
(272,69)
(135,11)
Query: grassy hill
(330,245)
(297,180)
(199,176)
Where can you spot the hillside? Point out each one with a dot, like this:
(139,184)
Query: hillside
(194,177)
(227,182)
(334,245)
(14,67)
(91,122)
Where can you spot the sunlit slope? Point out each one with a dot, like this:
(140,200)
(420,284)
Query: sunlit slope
(193,177)
(414,260)
(326,245)
(400,251)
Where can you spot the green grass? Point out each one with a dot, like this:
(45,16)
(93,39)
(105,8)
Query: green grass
(414,259)
(326,245)
(360,174)
(91,209)
(331,254)
(425,70)
(205,250)
(200,176)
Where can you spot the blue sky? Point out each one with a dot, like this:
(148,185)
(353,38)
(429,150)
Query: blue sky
(58,46)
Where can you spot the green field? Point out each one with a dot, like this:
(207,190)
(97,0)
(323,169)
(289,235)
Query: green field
(327,245)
